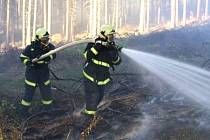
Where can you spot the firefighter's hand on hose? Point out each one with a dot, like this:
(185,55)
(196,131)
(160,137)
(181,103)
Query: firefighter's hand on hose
(36,59)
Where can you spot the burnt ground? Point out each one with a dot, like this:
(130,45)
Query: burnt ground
(137,104)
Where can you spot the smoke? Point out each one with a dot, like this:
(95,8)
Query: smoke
(140,131)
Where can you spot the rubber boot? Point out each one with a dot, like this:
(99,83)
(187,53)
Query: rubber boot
(90,123)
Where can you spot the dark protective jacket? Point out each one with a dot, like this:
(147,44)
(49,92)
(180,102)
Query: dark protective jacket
(100,56)
(34,50)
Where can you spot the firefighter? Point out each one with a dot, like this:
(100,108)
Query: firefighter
(100,57)
(37,73)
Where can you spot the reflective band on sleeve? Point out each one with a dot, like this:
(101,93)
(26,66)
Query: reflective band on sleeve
(25,61)
(100,63)
(40,62)
(47,102)
(94,50)
(51,56)
(23,56)
(118,59)
(25,103)
(85,55)
(90,112)
(30,83)
(47,82)
(98,82)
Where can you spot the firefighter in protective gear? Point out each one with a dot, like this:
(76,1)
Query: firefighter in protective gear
(37,73)
(100,56)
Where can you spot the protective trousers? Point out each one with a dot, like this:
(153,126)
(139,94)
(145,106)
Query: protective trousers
(37,78)
(93,95)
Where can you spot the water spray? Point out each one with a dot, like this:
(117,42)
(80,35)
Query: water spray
(189,80)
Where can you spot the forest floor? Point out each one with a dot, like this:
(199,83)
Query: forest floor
(137,105)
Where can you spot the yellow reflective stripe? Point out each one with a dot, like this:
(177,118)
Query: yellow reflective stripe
(51,56)
(100,63)
(40,62)
(88,77)
(25,61)
(118,59)
(47,82)
(23,56)
(85,55)
(47,102)
(98,82)
(104,82)
(30,83)
(25,103)
(94,50)
(90,112)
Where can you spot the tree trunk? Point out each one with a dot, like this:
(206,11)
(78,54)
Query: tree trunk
(72,20)
(34,20)
(95,17)
(28,37)
(106,10)
(158,17)
(206,9)
(113,14)
(72,29)
(67,20)
(81,14)
(8,22)
(99,17)
(142,15)
(18,14)
(49,16)
(117,15)
(198,8)
(184,12)
(173,13)
(148,17)
(45,13)
(177,12)
(1,5)
(24,24)
(91,19)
